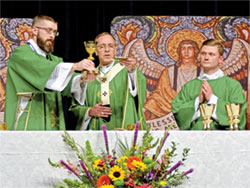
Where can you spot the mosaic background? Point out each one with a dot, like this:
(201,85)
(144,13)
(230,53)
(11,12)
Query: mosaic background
(13,32)
(154,42)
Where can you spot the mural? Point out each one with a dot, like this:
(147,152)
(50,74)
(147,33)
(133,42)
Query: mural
(13,32)
(166,50)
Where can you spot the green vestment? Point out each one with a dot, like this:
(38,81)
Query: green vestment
(28,73)
(123,105)
(225,88)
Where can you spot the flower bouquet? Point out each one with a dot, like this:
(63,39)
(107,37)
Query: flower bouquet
(126,166)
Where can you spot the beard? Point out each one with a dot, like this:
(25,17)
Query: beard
(46,45)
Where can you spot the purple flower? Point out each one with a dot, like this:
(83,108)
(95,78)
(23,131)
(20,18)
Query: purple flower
(158,151)
(87,173)
(188,172)
(136,132)
(174,167)
(166,186)
(150,176)
(105,137)
(68,167)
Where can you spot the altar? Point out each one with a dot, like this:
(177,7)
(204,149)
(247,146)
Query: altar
(221,159)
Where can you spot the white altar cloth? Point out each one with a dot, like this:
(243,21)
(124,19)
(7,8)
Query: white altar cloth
(221,159)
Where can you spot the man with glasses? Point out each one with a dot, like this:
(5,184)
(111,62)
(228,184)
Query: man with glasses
(36,80)
(117,95)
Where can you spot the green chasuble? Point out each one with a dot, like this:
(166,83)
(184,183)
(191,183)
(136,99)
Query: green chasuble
(225,88)
(114,91)
(27,75)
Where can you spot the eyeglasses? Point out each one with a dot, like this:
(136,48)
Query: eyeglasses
(49,31)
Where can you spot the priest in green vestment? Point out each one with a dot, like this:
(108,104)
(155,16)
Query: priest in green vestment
(116,96)
(36,80)
(211,87)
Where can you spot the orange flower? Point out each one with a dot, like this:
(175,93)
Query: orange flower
(103,180)
(131,159)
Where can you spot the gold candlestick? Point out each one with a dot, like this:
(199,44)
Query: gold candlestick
(90,48)
(206,112)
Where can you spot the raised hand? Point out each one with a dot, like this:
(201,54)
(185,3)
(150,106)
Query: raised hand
(89,77)
(84,64)
(129,63)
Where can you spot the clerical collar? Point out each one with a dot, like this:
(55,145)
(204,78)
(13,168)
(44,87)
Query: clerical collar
(204,76)
(36,48)
(105,69)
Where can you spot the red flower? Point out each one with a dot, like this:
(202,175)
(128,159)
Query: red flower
(108,156)
(101,161)
(131,159)
(103,180)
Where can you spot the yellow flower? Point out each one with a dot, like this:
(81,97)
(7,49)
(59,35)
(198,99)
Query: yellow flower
(98,164)
(107,186)
(139,164)
(163,183)
(124,158)
(116,173)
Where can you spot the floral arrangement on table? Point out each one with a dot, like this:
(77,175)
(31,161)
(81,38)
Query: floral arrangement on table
(131,168)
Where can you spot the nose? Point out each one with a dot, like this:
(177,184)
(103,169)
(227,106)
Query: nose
(107,49)
(206,56)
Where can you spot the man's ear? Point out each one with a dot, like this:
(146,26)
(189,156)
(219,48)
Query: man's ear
(34,31)
(221,59)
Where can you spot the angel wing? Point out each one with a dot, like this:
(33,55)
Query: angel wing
(151,69)
(236,64)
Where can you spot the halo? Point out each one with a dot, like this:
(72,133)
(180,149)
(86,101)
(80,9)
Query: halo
(174,40)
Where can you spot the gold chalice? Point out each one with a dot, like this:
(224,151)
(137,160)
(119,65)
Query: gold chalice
(3,126)
(90,48)
(131,127)
(233,112)
(206,112)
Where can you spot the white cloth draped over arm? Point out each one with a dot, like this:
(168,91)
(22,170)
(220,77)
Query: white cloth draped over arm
(79,90)
(132,83)
(196,108)
(60,78)
(86,121)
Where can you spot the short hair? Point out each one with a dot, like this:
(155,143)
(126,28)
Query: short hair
(39,18)
(214,42)
(103,34)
